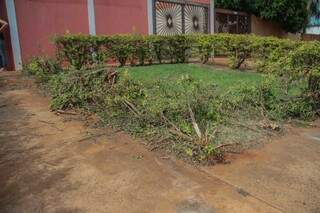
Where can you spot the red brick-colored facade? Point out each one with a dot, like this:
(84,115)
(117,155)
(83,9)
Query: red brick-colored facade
(119,17)
(39,20)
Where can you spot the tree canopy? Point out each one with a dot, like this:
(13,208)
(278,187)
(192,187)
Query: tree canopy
(292,15)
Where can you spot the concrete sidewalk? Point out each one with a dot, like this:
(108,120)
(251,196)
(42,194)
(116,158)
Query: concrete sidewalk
(284,173)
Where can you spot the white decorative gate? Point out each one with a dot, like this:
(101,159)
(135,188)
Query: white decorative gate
(179,17)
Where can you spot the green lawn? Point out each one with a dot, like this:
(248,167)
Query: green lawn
(223,78)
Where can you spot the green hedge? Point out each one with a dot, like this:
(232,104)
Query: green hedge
(284,57)
(82,51)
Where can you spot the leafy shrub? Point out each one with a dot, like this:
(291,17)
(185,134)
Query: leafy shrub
(300,64)
(42,68)
(268,49)
(158,47)
(205,45)
(305,62)
(238,48)
(179,48)
(81,51)
(141,50)
(78,89)
(121,48)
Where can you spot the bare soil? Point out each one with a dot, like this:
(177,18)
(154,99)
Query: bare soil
(59,163)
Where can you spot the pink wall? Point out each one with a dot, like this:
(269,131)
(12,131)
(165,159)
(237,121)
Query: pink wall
(121,16)
(39,20)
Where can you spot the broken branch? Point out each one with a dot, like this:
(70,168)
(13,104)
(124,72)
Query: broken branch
(224,145)
(66,112)
(194,123)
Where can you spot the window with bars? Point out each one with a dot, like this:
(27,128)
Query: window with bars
(227,21)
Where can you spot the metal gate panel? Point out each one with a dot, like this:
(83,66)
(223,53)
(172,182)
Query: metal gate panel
(244,24)
(232,22)
(179,17)
(168,18)
(196,19)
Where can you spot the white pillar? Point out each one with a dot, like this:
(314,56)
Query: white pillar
(150,4)
(212,16)
(91,17)
(15,42)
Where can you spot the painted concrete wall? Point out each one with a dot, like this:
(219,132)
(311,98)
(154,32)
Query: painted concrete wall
(39,20)
(314,24)
(121,16)
(265,28)
(3,16)
(315,30)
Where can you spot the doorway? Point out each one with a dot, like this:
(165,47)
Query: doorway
(3,53)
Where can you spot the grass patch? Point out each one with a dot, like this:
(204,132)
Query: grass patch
(223,78)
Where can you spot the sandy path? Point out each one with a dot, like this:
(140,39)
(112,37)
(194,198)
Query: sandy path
(48,164)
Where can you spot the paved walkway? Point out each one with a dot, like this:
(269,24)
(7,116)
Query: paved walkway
(49,163)
(284,173)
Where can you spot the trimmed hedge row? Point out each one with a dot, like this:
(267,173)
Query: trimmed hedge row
(83,51)
(293,59)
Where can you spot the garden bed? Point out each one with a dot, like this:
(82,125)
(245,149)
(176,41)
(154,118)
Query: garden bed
(195,111)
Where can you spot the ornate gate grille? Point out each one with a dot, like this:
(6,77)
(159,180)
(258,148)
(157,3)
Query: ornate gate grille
(228,21)
(175,17)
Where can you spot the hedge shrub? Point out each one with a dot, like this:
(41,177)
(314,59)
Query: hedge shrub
(82,52)
(302,64)
(292,59)
(42,68)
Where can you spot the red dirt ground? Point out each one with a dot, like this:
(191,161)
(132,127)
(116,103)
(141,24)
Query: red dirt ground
(50,163)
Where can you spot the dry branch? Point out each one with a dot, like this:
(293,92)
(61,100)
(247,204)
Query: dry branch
(66,112)
(91,137)
(169,122)
(224,145)
(132,108)
(181,134)
(194,123)
(176,130)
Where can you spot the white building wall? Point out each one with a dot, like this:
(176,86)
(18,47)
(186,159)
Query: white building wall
(313,30)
